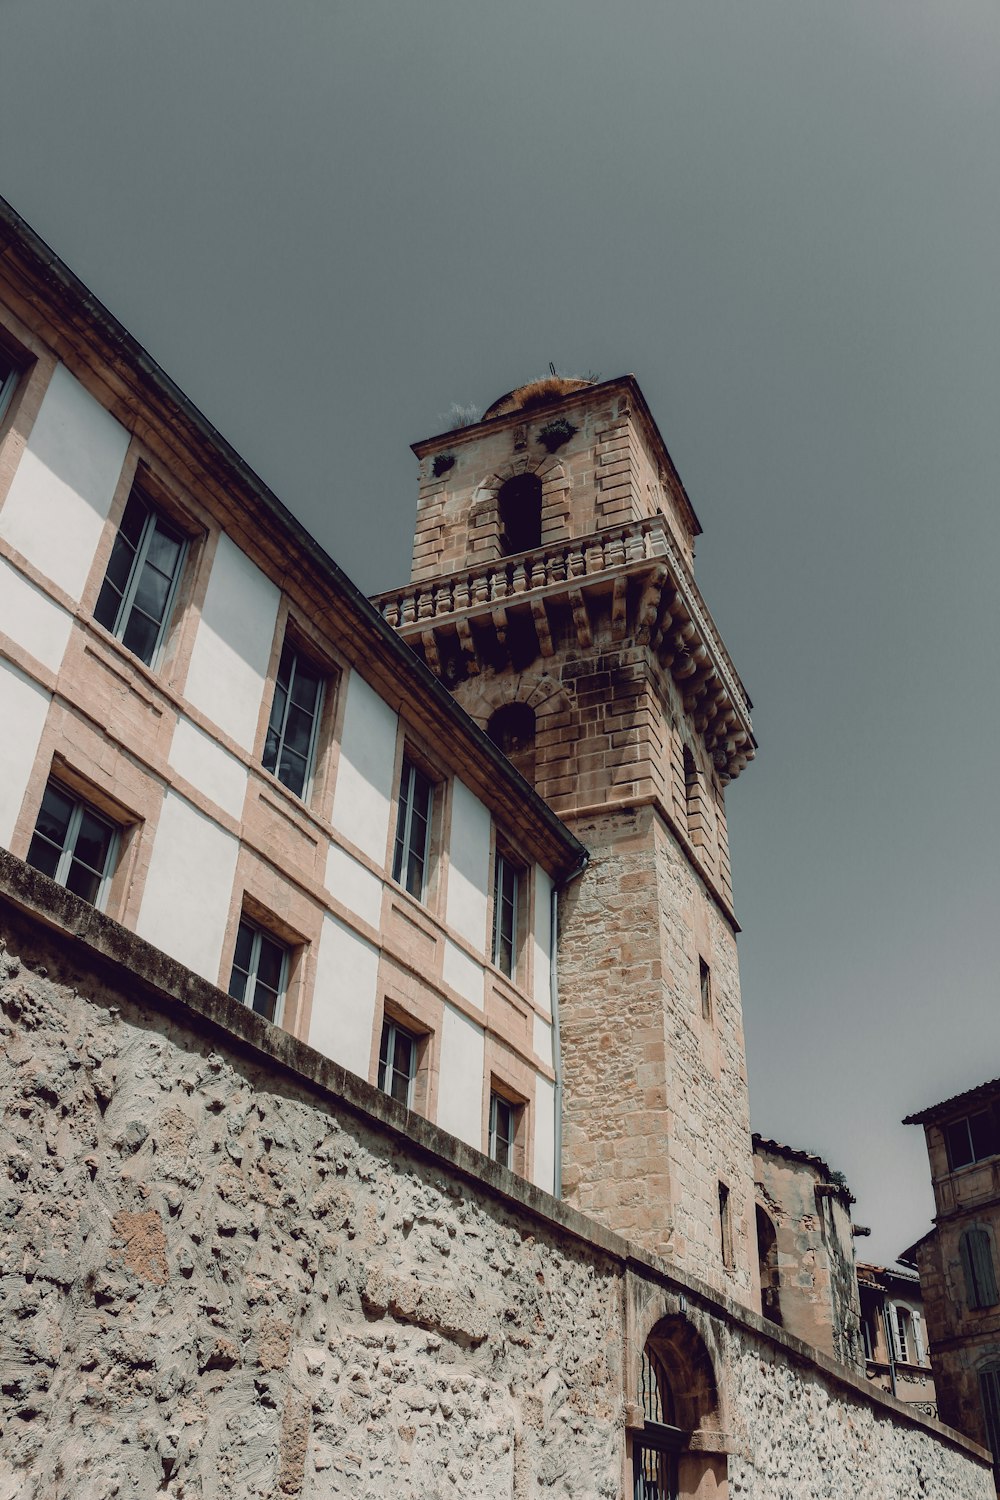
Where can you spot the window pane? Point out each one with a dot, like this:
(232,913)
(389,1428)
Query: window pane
(238,984)
(140,636)
(265,1001)
(44,856)
(83,882)
(54,815)
(959,1143)
(292,772)
(269,963)
(384,1053)
(244,946)
(93,842)
(151,595)
(305,689)
(271,746)
(164,549)
(134,519)
(983,1138)
(120,566)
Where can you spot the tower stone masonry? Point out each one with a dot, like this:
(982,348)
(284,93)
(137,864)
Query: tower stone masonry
(552,590)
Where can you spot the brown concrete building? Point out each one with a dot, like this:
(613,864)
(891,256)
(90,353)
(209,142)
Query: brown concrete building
(805,1246)
(957,1260)
(306,994)
(894,1335)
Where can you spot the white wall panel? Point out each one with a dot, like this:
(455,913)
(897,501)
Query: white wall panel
(22,704)
(228,668)
(31,618)
(363,795)
(189,887)
(354,885)
(62,489)
(462,973)
(469,866)
(207,766)
(542,982)
(343,1009)
(460,1090)
(543,1175)
(541,1039)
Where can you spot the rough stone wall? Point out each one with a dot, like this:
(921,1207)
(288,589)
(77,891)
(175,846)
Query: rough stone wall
(963,1340)
(221,1279)
(818,1284)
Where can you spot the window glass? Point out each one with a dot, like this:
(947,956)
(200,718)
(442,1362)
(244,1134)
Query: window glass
(291,732)
(8,380)
(397,1063)
(413,821)
(505,893)
(139,585)
(260,970)
(74,844)
(973,1138)
(503,1122)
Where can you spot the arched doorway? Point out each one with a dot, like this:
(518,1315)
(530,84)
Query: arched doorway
(680,1446)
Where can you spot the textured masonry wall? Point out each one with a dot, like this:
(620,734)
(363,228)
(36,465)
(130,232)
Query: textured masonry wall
(219,1279)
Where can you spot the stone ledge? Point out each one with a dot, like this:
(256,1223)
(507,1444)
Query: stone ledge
(150,976)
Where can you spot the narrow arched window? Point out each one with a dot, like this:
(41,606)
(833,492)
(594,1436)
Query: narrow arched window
(767,1253)
(655,1454)
(512,730)
(519,504)
(977,1264)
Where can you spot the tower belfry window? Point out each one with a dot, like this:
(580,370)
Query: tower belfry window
(519,504)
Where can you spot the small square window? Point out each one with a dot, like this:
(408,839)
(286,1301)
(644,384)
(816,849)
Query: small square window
(413,830)
(397,1063)
(504,1119)
(74,844)
(141,581)
(507,879)
(259,977)
(290,745)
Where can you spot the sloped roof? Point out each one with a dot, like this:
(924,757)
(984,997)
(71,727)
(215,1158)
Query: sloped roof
(981,1094)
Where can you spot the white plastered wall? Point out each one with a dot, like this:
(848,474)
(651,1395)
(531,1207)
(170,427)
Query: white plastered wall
(186,899)
(543,1174)
(343,1008)
(460,1093)
(228,670)
(542,938)
(31,618)
(60,496)
(462,973)
(207,766)
(354,885)
(25,705)
(468,866)
(363,795)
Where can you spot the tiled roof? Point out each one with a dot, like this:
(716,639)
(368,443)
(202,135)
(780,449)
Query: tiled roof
(979,1095)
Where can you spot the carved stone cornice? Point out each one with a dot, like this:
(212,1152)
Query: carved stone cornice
(633,573)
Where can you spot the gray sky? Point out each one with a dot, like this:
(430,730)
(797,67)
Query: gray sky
(329,221)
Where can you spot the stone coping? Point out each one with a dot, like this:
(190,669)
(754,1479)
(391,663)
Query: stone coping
(147,975)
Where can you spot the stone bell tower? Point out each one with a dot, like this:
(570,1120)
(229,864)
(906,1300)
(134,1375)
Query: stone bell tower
(553,591)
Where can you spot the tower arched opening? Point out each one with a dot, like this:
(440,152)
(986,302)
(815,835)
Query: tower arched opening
(512,730)
(519,505)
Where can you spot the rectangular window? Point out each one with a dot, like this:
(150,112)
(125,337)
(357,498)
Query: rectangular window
(139,586)
(867,1336)
(919,1347)
(506,882)
(973,1138)
(260,971)
(74,844)
(413,830)
(705,980)
(900,1324)
(725,1227)
(290,745)
(397,1063)
(8,380)
(503,1129)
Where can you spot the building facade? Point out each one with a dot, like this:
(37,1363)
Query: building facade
(957,1260)
(805,1245)
(319,1028)
(894,1334)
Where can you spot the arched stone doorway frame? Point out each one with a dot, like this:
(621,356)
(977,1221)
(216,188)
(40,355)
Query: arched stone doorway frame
(685,1347)
(484,514)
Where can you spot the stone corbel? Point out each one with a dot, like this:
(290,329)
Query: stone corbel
(542,629)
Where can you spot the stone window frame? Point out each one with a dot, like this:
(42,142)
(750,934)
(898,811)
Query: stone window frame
(409,749)
(705,988)
(261,933)
(247,905)
(80,807)
(180,622)
(10,378)
(290,637)
(421,1091)
(130,824)
(117,624)
(483,522)
(504,851)
(979,1276)
(501,1097)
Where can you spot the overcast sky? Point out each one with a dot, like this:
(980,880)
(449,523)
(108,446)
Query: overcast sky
(329,221)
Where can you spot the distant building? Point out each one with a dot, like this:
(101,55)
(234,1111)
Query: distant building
(893,1333)
(805,1243)
(957,1260)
